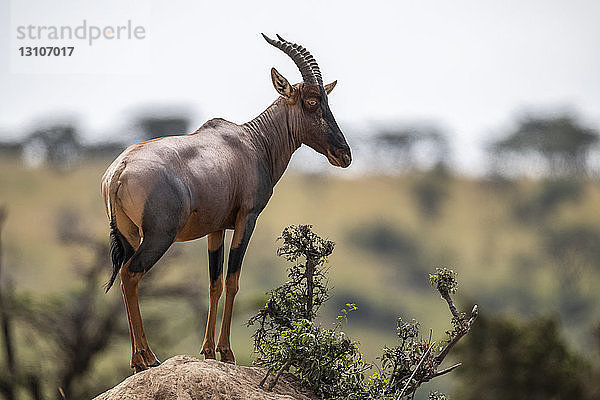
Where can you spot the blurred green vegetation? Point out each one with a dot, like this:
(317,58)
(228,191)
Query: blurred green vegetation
(524,248)
(508,358)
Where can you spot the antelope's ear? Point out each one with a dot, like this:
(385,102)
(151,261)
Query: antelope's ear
(329,87)
(281,84)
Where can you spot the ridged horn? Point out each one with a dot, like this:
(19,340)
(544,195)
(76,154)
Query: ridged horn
(308,57)
(305,65)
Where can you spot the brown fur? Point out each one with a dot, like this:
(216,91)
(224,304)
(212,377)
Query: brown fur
(181,188)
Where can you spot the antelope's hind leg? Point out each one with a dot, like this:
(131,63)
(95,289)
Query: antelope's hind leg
(165,211)
(149,252)
(215,288)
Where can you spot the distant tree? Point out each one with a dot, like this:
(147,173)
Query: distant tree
(104,150)
(404,148)
(394,148)
(168,125)
(562,143)
(10,148)
(56,145)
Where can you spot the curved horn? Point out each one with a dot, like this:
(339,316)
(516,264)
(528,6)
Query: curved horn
(309,59)
(304,65)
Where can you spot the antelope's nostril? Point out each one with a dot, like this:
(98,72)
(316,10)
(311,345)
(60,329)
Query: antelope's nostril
(346,160)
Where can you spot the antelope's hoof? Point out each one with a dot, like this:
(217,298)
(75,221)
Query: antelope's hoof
(139,367)
(141,360)
(209,353)
(137,362)
(155,363)
(226,355)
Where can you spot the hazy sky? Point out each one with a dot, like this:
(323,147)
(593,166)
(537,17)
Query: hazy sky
(469,65)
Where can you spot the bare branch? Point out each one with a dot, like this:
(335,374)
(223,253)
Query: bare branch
(465,327)
(444,371)
(281,370)
(446,296)
(415,371)
(262,383)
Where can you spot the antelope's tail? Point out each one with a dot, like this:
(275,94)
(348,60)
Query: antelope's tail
(120,249)
(120,252)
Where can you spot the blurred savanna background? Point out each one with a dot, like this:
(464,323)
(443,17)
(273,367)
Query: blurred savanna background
(475,131)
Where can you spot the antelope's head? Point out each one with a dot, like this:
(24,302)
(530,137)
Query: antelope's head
(309,104)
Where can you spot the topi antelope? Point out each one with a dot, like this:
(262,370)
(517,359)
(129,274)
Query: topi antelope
(180,188)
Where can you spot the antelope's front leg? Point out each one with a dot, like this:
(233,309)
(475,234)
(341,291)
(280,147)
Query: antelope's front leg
(215,288)
(244,226)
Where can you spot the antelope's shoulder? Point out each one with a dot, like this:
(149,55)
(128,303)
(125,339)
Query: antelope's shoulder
(215,123)
(220,132)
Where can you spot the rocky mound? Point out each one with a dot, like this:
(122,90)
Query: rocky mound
(184,377)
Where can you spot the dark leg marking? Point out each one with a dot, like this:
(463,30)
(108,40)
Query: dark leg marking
(236,254)
(215,262)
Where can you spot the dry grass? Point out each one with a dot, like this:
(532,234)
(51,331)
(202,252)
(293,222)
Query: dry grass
(476,233)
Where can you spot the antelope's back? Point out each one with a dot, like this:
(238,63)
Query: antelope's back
(213,171)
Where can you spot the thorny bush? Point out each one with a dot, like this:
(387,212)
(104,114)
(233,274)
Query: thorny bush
(326,360)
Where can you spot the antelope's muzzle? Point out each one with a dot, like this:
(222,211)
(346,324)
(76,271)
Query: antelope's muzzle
(339,158)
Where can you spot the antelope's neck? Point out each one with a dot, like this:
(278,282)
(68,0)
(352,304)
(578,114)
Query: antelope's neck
(275,133)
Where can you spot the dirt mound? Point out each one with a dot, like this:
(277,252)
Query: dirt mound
(184,377)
